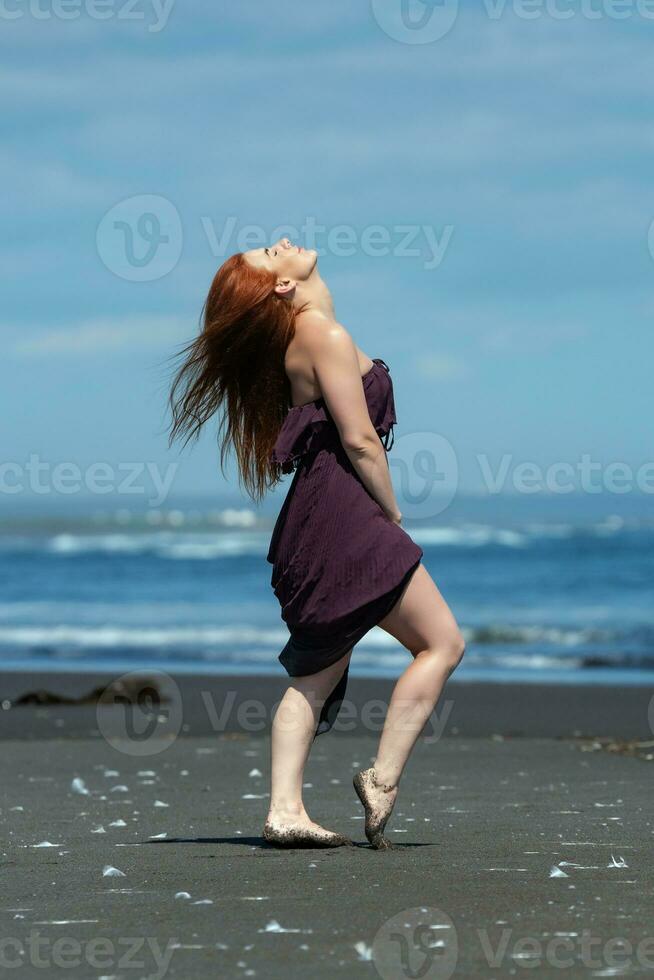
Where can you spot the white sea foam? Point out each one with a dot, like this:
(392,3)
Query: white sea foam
(206,639)
(117,637)
(164,544)
(468,536)
(238,537)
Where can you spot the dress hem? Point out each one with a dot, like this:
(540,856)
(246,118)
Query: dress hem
(303,655)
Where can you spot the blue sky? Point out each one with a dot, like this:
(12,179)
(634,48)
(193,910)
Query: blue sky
(522,146)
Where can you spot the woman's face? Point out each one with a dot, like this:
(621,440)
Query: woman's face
(286,260)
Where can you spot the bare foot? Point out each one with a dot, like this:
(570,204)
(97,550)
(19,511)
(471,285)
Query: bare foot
(303,832)
(378,801)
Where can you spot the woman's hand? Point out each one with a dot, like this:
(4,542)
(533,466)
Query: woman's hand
(395,518)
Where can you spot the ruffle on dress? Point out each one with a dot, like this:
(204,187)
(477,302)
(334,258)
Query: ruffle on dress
(309,428)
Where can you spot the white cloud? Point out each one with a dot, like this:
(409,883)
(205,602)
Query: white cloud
(442,367)
(533,335)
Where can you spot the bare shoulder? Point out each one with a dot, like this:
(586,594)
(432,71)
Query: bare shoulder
(322,349)
(320,338)
(317,332)
(337,366)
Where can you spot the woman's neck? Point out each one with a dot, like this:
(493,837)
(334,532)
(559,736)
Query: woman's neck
(315,295)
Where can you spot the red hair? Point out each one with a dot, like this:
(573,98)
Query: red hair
(238,360)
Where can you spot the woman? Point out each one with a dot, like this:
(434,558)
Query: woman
(300,395)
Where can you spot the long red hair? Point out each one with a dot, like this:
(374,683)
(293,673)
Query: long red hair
(237,361)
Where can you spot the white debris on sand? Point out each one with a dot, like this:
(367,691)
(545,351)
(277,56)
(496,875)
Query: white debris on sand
(619,863)
(110,872)
(274,926)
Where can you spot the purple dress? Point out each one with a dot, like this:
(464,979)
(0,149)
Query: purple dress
(339,563)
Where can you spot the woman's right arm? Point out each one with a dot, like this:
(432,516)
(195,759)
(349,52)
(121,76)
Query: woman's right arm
(336,367)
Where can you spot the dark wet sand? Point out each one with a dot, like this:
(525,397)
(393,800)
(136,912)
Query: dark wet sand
(244,703)
(480,821)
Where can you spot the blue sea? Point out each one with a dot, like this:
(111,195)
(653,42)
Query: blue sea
(544,590)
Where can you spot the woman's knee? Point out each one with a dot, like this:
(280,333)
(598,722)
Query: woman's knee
(458,648)
(449,650)
(454,649)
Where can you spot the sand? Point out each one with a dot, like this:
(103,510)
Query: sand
(513,855)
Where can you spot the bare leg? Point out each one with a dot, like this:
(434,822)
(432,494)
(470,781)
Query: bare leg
(292,735)
(422,621)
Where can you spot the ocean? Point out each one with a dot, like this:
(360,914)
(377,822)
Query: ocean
(554,591)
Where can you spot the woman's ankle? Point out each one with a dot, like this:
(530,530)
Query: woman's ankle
(287,811)
(384,780)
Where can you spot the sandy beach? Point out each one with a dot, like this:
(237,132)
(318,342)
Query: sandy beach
(517,849)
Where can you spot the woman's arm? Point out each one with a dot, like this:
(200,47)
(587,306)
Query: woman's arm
(336,367)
